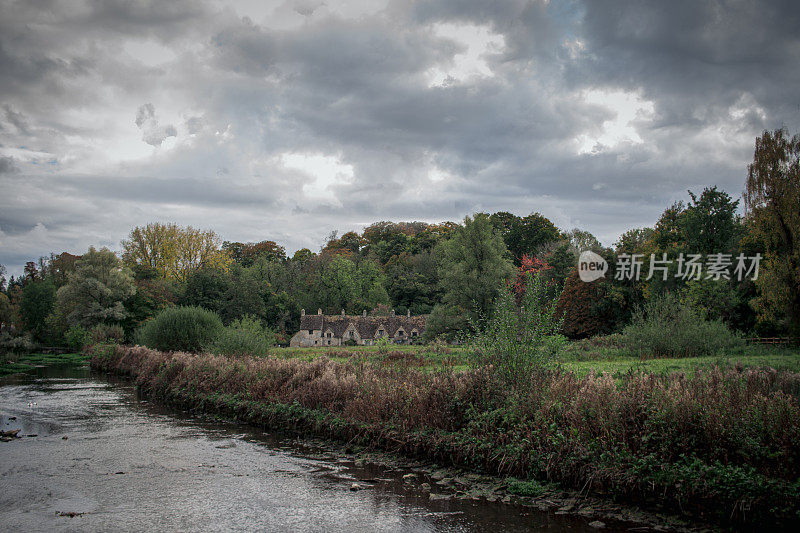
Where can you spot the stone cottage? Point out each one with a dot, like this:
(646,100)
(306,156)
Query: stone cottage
(340,330)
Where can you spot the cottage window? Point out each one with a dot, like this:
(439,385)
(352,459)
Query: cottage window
(380,332)
(311,332)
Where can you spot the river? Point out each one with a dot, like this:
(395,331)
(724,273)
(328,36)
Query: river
(95,457)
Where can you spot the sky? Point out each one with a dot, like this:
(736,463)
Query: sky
(284,120)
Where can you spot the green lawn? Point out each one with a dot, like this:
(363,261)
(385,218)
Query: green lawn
(603,354)
(14,364)
(786,360)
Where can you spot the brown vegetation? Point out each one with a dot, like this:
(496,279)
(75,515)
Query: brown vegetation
(715,443)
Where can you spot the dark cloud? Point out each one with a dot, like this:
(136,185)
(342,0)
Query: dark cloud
(7,165)
(290,119)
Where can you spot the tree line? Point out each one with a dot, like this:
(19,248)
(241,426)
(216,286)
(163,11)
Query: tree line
(450,271)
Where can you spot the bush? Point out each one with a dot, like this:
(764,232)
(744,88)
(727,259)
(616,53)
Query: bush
(668,327)
(245,336)
(16,345)
(107,333)
(186,329)
(515,341)
(530,488)
(76,338)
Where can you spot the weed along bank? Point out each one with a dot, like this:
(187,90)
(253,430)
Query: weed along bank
(357,330)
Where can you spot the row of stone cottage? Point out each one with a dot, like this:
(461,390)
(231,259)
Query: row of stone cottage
(338,330)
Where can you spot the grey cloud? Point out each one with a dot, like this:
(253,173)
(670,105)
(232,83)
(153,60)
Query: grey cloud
(715,72)
(7,165)
(152,133)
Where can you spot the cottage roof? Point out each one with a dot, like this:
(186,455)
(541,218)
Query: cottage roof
(366,326)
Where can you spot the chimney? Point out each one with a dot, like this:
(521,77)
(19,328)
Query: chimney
(342,312)
(408,314)
(365,313)
(392,312)
(319,311)
(302,312)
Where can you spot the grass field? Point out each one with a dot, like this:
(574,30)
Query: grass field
(14,364)
(600,355)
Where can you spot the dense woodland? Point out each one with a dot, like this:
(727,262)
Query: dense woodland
(451,271)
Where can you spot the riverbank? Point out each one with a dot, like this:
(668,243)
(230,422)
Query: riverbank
(717,445)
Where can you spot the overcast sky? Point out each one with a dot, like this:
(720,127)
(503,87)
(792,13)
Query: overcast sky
(285,120)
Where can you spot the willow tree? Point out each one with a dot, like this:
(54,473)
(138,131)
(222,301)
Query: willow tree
(772,199)
(472,265)
(96,290)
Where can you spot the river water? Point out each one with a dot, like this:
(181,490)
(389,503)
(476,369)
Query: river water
(94,457)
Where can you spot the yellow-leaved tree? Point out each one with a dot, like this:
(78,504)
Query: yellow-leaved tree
(173,251)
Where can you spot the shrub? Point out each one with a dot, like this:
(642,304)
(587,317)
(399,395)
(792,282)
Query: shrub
(107,333)
(245,336)
(515,341)
(77,337)
(668,327)
(530,488)
(383,344)
(16,345)
(187,329)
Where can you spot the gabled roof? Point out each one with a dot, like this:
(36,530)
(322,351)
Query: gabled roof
(367,327)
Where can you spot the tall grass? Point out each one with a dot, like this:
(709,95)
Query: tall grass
(665,326)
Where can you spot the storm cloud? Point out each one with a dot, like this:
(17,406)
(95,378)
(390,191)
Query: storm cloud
(284,120)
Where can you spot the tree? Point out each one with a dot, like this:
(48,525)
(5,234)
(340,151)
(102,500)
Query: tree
(710,224)
(206,288)
(668,234)
(6,312)
(302,255)
(411,282)
(172,250)
(772,200)
(579,306)
(152,295)
(633,240)
(96,290)
(341,284)
(503,222)
(247,253)
(583,240)
(472,265)
(35,307)
(528,233)
(2,278)
(59,266)
(31,272)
